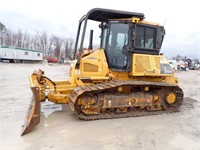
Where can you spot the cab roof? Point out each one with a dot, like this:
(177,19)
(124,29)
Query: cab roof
(101,14)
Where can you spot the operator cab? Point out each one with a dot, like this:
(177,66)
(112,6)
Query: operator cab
(122,34)
(121,38)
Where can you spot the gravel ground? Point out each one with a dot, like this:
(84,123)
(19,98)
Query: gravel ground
(60,129)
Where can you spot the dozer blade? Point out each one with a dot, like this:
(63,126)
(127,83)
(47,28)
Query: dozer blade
(33,113)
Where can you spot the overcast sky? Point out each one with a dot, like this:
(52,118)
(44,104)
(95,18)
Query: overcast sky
(60,17)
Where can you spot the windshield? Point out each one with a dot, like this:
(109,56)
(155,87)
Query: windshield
(117,41)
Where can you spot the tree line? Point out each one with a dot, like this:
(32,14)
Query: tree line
(51,45)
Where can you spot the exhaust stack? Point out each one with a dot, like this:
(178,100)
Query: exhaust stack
(90,47)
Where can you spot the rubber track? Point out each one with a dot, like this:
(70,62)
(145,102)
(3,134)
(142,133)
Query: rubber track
(115,83)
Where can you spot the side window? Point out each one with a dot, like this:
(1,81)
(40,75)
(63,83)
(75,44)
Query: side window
(26,53)
(38,54)
(139,41)
(145,37)
(103,42)
(149,38)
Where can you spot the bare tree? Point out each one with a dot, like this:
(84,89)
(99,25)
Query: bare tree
(8,38)
(57,41)
(68,43)
(13,38)
(35,42)
(50,45)
(66,47)
(19,38)
(43,41)
(71,42)
(3,31)
(25,40)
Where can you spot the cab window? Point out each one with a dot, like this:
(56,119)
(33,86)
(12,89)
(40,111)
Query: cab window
(117,39)
(145,37)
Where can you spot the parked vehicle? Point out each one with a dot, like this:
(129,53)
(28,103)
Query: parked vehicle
(173,64)
(52,60)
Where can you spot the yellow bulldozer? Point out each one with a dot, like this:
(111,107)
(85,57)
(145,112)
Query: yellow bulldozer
(126,77)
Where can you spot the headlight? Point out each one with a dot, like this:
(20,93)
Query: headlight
(165,69)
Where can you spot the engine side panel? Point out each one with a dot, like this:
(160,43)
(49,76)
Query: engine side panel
(94,63)
(150,65)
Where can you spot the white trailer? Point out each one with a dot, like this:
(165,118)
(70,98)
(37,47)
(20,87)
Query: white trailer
(15,54)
